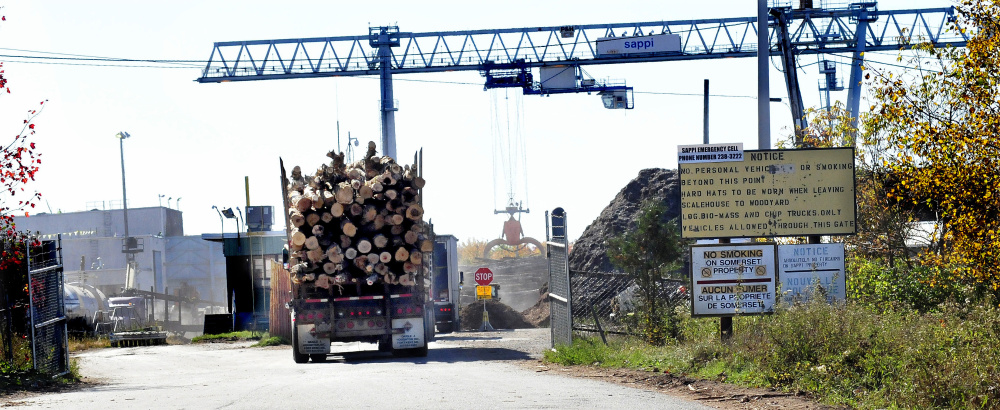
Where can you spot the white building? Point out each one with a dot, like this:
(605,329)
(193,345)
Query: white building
(92,243)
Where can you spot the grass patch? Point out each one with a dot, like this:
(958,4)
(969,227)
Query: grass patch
(240,336)
(844,354)
(271,341)
(79,344)
(263,339)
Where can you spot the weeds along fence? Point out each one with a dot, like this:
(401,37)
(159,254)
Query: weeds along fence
(607,302)
(15,305)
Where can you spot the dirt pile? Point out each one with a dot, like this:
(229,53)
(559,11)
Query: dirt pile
(538,315)
(590,252)
(501,316)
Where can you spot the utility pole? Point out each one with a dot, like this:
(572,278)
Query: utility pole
(705,139)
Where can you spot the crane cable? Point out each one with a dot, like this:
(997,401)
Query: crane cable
(509,153)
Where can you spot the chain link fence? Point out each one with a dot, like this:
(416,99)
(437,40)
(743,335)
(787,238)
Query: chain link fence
(607,303)
(49,344)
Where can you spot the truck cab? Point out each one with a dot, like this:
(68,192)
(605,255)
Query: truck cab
(446,283)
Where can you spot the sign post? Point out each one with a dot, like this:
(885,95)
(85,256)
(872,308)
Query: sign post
(484,276)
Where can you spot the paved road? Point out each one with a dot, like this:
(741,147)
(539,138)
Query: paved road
(461,371)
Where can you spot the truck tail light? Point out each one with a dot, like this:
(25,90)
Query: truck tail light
(350,324)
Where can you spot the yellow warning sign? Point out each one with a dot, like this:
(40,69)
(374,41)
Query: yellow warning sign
(484,292)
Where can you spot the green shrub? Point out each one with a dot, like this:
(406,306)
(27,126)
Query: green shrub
(902,285)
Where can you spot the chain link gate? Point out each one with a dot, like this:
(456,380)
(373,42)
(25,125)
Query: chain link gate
(49,344)
(560,303)
(559,294)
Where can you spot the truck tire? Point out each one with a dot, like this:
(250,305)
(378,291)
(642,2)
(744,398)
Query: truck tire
(420,351)
(298,357)
(416,352)
(385,344)
(446,328)
(318,358)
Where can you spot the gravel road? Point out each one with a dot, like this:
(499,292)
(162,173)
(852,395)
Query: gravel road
(462,371)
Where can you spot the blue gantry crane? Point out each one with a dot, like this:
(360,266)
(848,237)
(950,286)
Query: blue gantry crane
(508,57)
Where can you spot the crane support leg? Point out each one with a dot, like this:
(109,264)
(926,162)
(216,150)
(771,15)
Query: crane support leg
(384,38)
(857,64)
(388,106)
(791,74)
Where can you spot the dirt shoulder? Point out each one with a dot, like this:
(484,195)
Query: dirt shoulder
(711,393)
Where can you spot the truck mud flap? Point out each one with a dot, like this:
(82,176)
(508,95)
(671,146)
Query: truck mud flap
(408,333)
(309,343)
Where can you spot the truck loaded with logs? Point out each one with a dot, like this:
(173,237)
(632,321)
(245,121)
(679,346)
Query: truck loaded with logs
(356,246)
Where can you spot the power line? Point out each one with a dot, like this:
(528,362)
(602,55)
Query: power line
(98,65)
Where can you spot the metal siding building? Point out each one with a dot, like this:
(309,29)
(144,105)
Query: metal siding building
(92,250)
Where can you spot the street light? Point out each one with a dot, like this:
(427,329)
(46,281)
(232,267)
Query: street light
(240,213)
(228,212)
(122,135)
(222,223)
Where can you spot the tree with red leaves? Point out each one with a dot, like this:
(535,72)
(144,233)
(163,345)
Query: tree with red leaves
(19,162)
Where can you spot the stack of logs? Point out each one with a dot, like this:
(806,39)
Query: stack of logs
(358,223)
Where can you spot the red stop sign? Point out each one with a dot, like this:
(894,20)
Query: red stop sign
(484,276)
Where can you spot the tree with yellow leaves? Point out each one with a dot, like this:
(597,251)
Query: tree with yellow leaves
(936,129)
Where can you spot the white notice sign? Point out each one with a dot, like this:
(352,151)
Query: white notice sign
(732,279)
(814,267)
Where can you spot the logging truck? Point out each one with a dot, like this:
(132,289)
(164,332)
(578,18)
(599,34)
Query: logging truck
(356,240)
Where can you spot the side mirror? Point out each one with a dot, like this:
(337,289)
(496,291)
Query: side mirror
(461,278)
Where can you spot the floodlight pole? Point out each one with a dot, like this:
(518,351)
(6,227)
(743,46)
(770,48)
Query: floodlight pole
(121,145)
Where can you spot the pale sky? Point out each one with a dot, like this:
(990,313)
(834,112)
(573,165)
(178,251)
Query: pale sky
(198,141)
